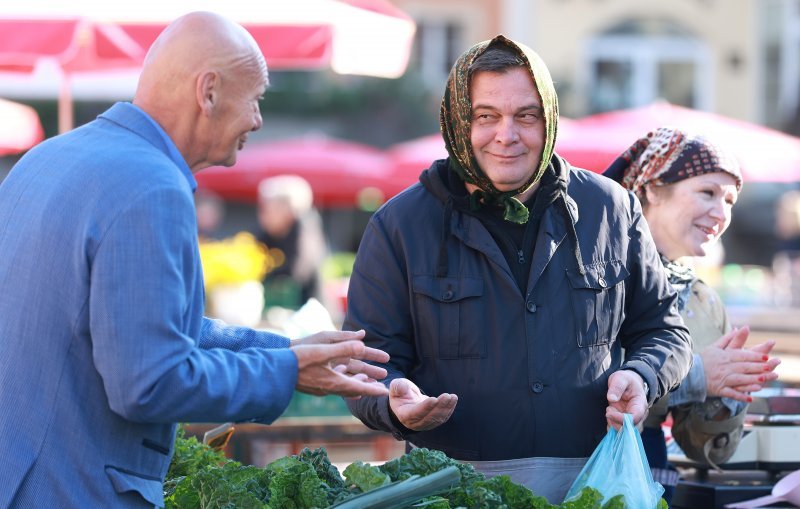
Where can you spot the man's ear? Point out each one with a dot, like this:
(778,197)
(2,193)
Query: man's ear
(208,91)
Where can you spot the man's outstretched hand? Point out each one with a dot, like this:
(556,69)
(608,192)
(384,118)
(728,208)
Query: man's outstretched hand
(417,411)
(332,362)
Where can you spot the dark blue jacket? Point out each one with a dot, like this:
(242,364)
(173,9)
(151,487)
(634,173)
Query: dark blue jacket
(431,287)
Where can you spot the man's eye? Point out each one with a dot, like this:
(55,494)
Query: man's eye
(482,117)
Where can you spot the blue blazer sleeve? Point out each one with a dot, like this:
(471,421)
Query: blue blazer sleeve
(218,334)
(142,317)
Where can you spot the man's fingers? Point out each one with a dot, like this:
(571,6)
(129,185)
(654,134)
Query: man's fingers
(352,387)
(614,418)
(430,412)
(375,355)
(328,337)
(615,390)
(335,353)
(400,388)
(357,366)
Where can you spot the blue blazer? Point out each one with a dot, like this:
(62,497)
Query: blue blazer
(103,344)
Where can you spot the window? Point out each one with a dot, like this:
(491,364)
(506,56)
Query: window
(639,62)
(437,46)
(780,74)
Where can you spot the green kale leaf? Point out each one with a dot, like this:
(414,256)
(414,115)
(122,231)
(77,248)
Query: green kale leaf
(295,485)
(230,486)
(365,476)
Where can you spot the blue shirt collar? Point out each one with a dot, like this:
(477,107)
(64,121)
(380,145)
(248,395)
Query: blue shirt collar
(135,119)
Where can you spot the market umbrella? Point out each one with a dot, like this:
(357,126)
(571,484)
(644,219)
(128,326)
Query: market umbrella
(341,173)
(365,37)
(765,155)
(75,45)
(20,128)
(409,158)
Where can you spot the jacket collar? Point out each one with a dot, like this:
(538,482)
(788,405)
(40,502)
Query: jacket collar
(134,119)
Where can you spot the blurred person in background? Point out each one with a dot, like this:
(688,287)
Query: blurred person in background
(787,222)
(505,286)
(291,229)
(786,260)
(688,187)
(103,342)
(210,214)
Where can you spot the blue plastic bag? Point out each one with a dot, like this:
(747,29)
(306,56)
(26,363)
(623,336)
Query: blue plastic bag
(619,467)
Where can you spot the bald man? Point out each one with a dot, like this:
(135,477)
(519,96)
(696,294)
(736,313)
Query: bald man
(103,343)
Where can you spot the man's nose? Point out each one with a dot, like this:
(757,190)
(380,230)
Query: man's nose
(507,131)
(259,122)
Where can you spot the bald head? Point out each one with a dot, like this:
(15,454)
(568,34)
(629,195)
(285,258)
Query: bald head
(195,42)
(198,61)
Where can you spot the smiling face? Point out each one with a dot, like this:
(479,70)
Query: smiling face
(237,115)
(686,218)
(507,126)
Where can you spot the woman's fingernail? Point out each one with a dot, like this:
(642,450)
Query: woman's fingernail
(761,379)
(749,399)
(765,357)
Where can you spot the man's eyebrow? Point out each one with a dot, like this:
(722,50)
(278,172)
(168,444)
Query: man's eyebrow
(532,106)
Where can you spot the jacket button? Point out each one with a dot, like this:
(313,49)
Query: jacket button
(531,306)
(448,295)
(602,282)
(537,387)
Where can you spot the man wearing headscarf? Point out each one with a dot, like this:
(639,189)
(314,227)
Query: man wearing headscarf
(505,286)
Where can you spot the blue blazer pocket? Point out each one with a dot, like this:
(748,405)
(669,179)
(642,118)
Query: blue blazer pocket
(149,487)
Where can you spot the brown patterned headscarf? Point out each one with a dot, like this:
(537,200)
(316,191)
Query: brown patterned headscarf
(456,116)
(668,155)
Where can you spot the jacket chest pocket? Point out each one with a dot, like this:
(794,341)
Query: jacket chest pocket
(449,309)
(598,302)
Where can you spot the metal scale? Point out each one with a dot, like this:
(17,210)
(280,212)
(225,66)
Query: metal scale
(769,447)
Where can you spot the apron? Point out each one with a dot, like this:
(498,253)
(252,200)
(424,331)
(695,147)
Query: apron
(550,478)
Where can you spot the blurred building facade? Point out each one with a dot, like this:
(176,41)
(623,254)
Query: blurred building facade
(739,58)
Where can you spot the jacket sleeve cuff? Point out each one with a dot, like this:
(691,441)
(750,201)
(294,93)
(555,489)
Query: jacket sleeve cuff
(649,377)
(693,388)
(277,399)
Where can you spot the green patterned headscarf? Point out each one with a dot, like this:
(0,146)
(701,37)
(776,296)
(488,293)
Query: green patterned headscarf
(455,119)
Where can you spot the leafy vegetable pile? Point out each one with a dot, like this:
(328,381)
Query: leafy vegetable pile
(201,478)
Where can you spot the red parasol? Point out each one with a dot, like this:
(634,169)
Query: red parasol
(367,37)
(74,44)
(341,173)
(766,155)
(410,158)
(20,128)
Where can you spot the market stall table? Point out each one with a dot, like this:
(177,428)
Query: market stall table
(299,432)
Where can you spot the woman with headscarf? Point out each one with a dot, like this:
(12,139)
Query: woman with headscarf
(688,187)
(505,285)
